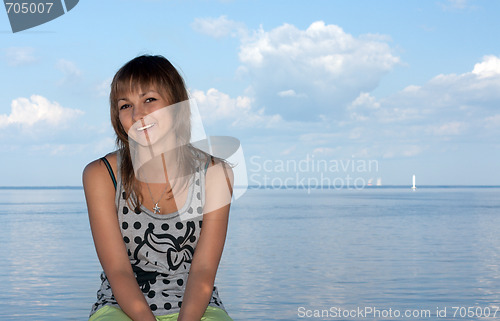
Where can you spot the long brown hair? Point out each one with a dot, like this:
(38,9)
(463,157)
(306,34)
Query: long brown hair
(151,72)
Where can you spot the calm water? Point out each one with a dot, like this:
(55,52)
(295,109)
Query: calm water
(289,254)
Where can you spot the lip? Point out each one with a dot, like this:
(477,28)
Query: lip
(146,126)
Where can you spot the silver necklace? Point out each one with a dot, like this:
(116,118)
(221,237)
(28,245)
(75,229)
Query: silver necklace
(156,208)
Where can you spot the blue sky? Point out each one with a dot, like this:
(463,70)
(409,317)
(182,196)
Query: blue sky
(412,87)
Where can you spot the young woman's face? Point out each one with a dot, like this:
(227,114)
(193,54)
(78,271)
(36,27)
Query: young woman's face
(145,116)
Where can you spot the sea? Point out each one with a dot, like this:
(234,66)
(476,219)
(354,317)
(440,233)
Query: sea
(381,253)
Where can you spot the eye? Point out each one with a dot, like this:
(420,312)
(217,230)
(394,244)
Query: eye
(124,106)
(150,100)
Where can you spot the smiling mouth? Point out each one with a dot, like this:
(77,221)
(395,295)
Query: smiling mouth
(146,127)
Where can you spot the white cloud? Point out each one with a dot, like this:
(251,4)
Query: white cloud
(291,93)
(324,151)
(444,102)
(17,56)
(334,74)
(449,108)
(322,63)
(492,121)
(489,67)
(365,100)
(217,106)
(218,27)
(35,110)
(448,129)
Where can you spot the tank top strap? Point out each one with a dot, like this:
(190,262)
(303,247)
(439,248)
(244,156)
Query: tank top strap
(110,170)
(210,159)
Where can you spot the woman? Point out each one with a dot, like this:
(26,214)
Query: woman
(148,200)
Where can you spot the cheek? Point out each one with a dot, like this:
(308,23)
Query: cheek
(125,121)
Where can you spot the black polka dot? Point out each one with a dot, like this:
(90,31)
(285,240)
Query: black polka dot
(126,239)
(166,282)
(179,225)
(167,306)
(199,223)
(190,210)
(129,253)
(164,226)
(179,304)
(198,195)
(153,307)
(137,240)
(199,210)
(125,210)
(180,282)
(151,294)
(124,225)
(192,239)
(137,210)
(198,182)
(152,281)
(124,195)
(151,226)
(137,225)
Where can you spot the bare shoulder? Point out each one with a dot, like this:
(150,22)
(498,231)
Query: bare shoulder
(96,171)
(99,190)
(218,190)
(220,171)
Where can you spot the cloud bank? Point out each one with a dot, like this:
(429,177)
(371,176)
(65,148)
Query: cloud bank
(38,110)
(323,64)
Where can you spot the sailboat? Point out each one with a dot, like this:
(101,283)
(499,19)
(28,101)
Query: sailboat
(413,187)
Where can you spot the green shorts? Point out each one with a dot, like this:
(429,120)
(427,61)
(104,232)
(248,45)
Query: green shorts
(110,313)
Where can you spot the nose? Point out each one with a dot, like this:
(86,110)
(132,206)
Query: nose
(139,112)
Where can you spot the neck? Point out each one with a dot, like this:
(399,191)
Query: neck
(155,163)
(159,169)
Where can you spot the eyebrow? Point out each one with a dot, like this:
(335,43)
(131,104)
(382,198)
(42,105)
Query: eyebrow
(140,95)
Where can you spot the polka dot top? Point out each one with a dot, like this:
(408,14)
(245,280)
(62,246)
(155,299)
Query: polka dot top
(160,249)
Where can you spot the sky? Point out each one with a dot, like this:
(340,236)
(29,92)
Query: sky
(343,93)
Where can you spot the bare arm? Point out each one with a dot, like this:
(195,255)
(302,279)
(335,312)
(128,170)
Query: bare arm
(208,251)
(100,196)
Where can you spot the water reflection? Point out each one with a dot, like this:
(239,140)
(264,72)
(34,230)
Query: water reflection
(285,250)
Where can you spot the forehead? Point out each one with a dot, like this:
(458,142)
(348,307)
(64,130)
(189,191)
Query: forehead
(125,89)
(136,92)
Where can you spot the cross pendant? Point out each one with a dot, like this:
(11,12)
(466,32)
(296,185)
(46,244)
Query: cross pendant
(156,209)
